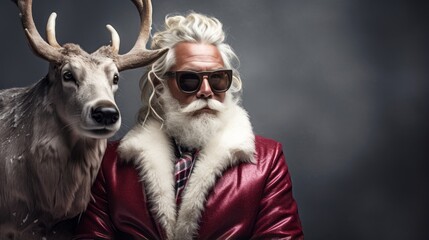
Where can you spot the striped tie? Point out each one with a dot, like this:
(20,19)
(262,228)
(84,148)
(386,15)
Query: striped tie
(182,169)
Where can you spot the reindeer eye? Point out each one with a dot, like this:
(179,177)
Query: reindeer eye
(115,79)
(68,76)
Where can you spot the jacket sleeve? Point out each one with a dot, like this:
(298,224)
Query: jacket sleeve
(95,222)
(278,215)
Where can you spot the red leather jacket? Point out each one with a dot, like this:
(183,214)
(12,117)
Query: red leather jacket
(248,201)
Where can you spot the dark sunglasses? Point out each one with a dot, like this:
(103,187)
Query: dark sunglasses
(190,81)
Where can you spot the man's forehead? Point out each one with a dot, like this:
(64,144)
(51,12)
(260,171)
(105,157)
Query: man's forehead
(197,56)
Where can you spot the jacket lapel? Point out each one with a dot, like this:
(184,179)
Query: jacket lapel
(150,150)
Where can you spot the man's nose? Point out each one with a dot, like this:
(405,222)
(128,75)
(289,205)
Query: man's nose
(205,89)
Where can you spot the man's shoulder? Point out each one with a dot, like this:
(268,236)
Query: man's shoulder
(112,147)
(267,150)
(111,153)
(263,142)
(269,157)
(112,160)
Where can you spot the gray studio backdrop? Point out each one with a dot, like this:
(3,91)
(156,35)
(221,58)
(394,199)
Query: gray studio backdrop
(343,84)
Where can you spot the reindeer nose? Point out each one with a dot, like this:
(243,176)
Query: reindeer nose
(105,115)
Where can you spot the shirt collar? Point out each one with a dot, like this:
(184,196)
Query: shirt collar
(179,150)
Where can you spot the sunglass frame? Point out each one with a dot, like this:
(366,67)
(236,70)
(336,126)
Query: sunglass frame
(177,74)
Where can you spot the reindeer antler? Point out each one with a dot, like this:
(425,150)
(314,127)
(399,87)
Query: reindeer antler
(38,44)
(139,56)
(50,31)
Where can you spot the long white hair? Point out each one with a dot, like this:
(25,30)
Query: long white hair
(194,28)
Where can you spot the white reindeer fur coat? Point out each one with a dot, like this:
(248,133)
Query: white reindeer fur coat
(151,151)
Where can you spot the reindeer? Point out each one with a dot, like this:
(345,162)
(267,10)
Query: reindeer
(53,133)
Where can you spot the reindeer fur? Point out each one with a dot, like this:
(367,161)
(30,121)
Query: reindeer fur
(53,133)
(46,167)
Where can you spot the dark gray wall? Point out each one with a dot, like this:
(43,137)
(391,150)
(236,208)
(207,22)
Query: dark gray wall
(342,84)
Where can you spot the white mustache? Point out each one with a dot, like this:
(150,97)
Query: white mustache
(200,104)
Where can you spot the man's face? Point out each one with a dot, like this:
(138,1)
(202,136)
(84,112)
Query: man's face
(196,57)
(193,118)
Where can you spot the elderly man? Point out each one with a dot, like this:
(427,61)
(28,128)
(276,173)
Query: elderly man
(192,167)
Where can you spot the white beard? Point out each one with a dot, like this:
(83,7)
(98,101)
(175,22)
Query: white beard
(189,129)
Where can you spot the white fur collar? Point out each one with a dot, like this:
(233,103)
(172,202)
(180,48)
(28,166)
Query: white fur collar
(151,150)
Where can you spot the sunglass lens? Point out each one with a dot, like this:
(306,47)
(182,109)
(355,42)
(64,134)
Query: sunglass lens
(189,82)
(219,81)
